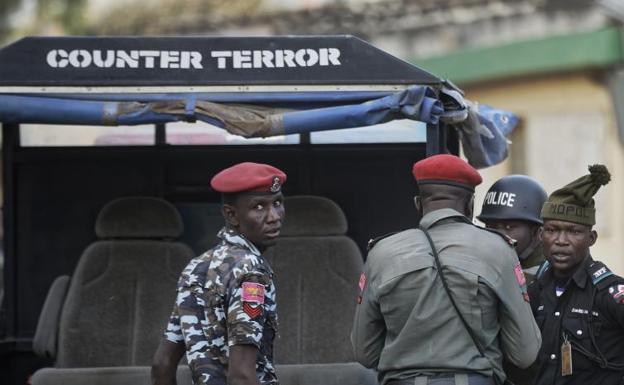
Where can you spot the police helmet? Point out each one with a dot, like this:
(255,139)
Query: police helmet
(514,197)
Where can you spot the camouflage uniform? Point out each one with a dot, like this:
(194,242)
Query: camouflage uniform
(210,315)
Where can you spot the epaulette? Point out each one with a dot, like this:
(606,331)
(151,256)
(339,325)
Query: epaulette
(373,241)
(542,269)
(599,273)
(509,240)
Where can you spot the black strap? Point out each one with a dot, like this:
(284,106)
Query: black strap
(461,317)
(448,292)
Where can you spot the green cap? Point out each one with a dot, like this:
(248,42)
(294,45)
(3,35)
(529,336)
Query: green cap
(574,202)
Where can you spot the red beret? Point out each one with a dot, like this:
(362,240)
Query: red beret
(249,176)
(446,169)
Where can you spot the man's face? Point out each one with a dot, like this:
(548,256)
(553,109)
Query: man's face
(258,217)
(566,245)
(521,231)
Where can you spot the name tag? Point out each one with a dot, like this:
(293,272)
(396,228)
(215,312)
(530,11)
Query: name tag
(566,358)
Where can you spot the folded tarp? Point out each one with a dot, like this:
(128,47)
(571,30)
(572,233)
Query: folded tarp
(483,130)
(248,120)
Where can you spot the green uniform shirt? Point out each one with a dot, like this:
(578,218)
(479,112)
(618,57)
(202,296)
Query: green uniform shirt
(405,324)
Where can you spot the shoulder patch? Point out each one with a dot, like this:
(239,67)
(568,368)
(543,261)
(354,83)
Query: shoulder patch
(617,293)
(373,241)
(599,272)
(510,241)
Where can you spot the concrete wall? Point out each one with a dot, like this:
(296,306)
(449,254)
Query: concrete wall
(567,124)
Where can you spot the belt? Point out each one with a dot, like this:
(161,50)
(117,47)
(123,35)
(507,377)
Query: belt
(460,379)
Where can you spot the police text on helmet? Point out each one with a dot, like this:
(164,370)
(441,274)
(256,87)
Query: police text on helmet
(498,198)
(240,59)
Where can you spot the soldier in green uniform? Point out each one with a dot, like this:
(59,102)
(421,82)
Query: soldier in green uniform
(405,325)
(578,302)
(225,315)
(512,206)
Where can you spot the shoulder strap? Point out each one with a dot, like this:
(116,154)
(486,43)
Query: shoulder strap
(373,241)
(601,276)
(542,269)
(448,292)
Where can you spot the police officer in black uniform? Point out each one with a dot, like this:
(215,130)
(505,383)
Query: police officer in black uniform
(577,302)
(512,206)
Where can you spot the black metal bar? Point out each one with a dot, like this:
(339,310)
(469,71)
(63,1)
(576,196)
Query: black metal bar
(436,139)
(10,142)
(161,134)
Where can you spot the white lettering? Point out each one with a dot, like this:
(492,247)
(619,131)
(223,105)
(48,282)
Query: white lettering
(169,59)
(497,198)
(333,55)
(241,59)
(600,272)
(238,59)
(106,63)
(263,59)
(79,58)
(196,60)
(221,57)
(53,57)
(149,57)
(124,59)
(287,57)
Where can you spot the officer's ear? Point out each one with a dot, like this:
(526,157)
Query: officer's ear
(229,214)
(418,203)
(470,206)
(593,236)
(538,232)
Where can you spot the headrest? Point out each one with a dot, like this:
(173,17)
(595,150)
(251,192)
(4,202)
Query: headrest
(313,216)
(139,217)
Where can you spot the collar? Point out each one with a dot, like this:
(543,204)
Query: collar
(581,274)
(579,277)
(231,236)
(433,217)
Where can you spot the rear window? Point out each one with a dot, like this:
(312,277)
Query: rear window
(397,131)
(200,133)
(34,135)
(183,133)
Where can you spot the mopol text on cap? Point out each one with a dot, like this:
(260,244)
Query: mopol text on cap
(446,169)
(249,176)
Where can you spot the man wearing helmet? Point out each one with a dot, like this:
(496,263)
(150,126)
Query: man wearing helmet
(512,205)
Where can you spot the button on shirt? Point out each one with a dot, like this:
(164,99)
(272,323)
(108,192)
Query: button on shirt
(210,313)
(575,315)
(405,325)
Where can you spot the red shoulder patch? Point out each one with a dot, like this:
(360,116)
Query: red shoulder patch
(362,282)
(617,292)
(252,292)
(519,275)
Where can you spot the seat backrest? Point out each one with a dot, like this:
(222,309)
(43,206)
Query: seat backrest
(316,273)
(123,287)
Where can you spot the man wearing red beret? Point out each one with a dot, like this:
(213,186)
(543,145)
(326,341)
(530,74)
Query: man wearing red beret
(444,303)
(225,313)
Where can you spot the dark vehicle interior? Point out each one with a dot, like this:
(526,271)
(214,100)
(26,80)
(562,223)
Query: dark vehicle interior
(96,235)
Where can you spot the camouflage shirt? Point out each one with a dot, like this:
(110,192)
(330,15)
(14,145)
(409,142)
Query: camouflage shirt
(225,297)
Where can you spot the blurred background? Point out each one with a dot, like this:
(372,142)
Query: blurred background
(557,64)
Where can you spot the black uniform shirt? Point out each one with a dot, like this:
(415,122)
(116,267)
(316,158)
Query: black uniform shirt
(590,308)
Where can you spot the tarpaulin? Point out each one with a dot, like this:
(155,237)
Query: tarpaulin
(286,115)
(482,129)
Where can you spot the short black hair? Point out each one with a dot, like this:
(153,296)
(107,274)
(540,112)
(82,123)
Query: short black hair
(229,198)
(440,191)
